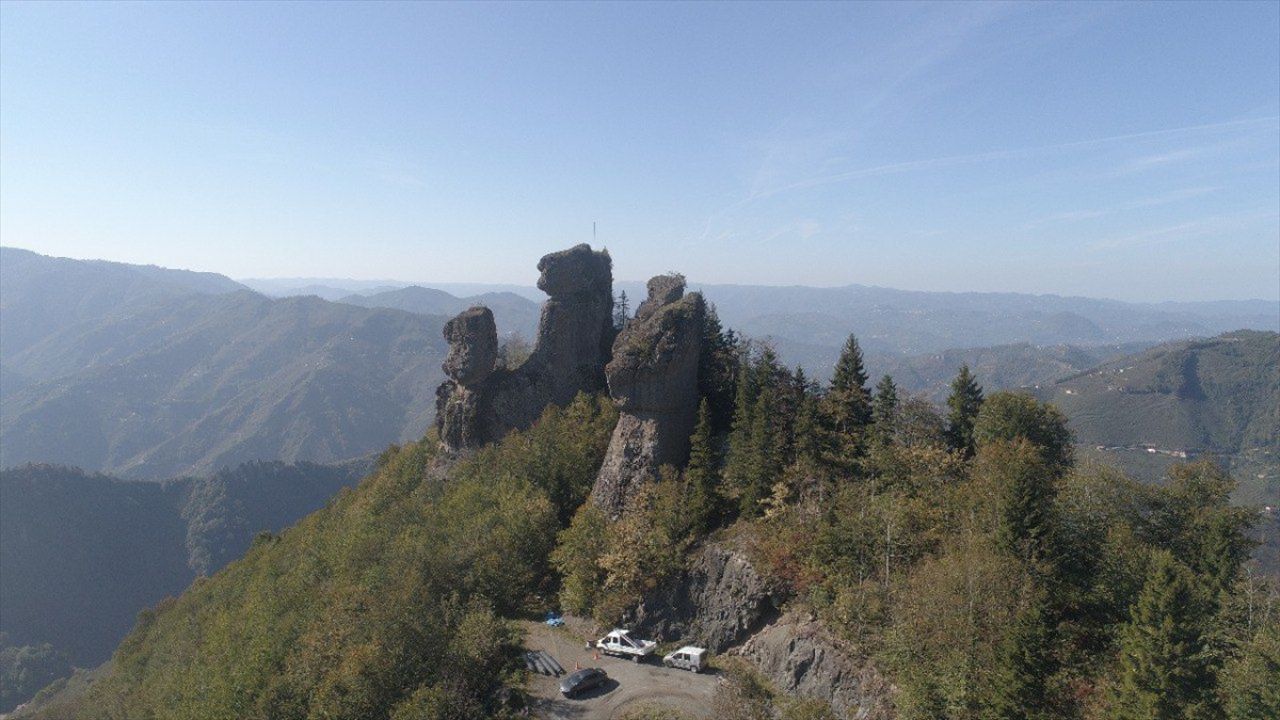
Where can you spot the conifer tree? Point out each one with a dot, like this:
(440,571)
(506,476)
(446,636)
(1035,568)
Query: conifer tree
(964,403)
(621,311)
(1027,498)
(810,446)
(846,410)
(884,409)
(719,361)
(849,389)
(1165,672)
(763,465)
(744,405)
(1024,665)
(700,474)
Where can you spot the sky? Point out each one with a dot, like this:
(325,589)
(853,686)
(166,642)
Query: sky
(1125,150)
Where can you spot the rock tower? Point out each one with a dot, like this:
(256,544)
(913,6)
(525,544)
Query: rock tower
(480,403)
(653,378)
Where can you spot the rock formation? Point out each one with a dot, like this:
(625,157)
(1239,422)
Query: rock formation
(716,603)
(480,403)
(801,657)
(653,378)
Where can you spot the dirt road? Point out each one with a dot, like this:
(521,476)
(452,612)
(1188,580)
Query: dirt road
(630,684)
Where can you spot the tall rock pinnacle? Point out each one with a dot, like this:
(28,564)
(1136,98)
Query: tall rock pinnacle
(653,378)
(481,403)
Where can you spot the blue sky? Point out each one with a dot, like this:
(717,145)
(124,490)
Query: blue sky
(1112,150)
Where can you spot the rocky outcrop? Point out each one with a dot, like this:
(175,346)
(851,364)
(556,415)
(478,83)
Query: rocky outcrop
(480,403)
(653,378)
(801,657)
(716,603)
(473,346)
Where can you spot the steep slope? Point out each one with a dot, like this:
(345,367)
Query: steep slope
(190,384)
(383,602)
(513,313)
(82,554)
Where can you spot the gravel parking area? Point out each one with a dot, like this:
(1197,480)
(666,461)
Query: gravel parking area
(630,683)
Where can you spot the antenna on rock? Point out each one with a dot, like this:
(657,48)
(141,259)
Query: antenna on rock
(593,232)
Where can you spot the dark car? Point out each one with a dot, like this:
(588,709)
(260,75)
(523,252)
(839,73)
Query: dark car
(582,681)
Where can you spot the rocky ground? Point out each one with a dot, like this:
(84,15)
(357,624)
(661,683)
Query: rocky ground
(630,684)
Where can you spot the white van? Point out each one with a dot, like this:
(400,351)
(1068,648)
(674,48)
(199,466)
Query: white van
(688,658)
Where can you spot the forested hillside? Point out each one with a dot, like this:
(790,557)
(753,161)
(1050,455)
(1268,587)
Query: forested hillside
(81,554)
(966,558)
(387,603)
(41,296)
(149,381)
(1218,397)
(1001,367)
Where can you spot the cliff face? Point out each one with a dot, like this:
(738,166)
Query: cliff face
(720,602)
(653,378)
(802,658)
(481,403)
(716,603)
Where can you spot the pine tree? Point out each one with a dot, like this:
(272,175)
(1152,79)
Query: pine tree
(850,371)
(763,464)
(700,474)
(1165,672)
(1024,664)
(849,394)
(744,406)
(846,409)
(719,362)
(884,409)
(1028,494)
(621,311)
(810,447)
(964,403)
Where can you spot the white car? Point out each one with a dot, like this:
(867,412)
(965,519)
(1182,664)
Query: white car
(619,642)
(688,658)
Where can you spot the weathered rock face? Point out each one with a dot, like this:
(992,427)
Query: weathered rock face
(480,404)
(653,378)
(473,346)
(716,603)
(801,657)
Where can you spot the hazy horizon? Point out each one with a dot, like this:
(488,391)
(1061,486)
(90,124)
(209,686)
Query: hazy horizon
(1127,151)
(532,292)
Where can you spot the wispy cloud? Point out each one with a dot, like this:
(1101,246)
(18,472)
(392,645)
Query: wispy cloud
(948,161)
(1202,227)
(1011,154)
(1169,198)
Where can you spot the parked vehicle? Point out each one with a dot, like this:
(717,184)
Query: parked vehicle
(555,619)
(688,658)
(582,681)
(620,643)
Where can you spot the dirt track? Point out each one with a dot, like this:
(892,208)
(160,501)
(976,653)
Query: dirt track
(629,684)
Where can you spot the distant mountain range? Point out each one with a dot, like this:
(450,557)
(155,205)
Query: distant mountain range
(809,325)
(156,378)
(147,373)
(514,314)
(81,553)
